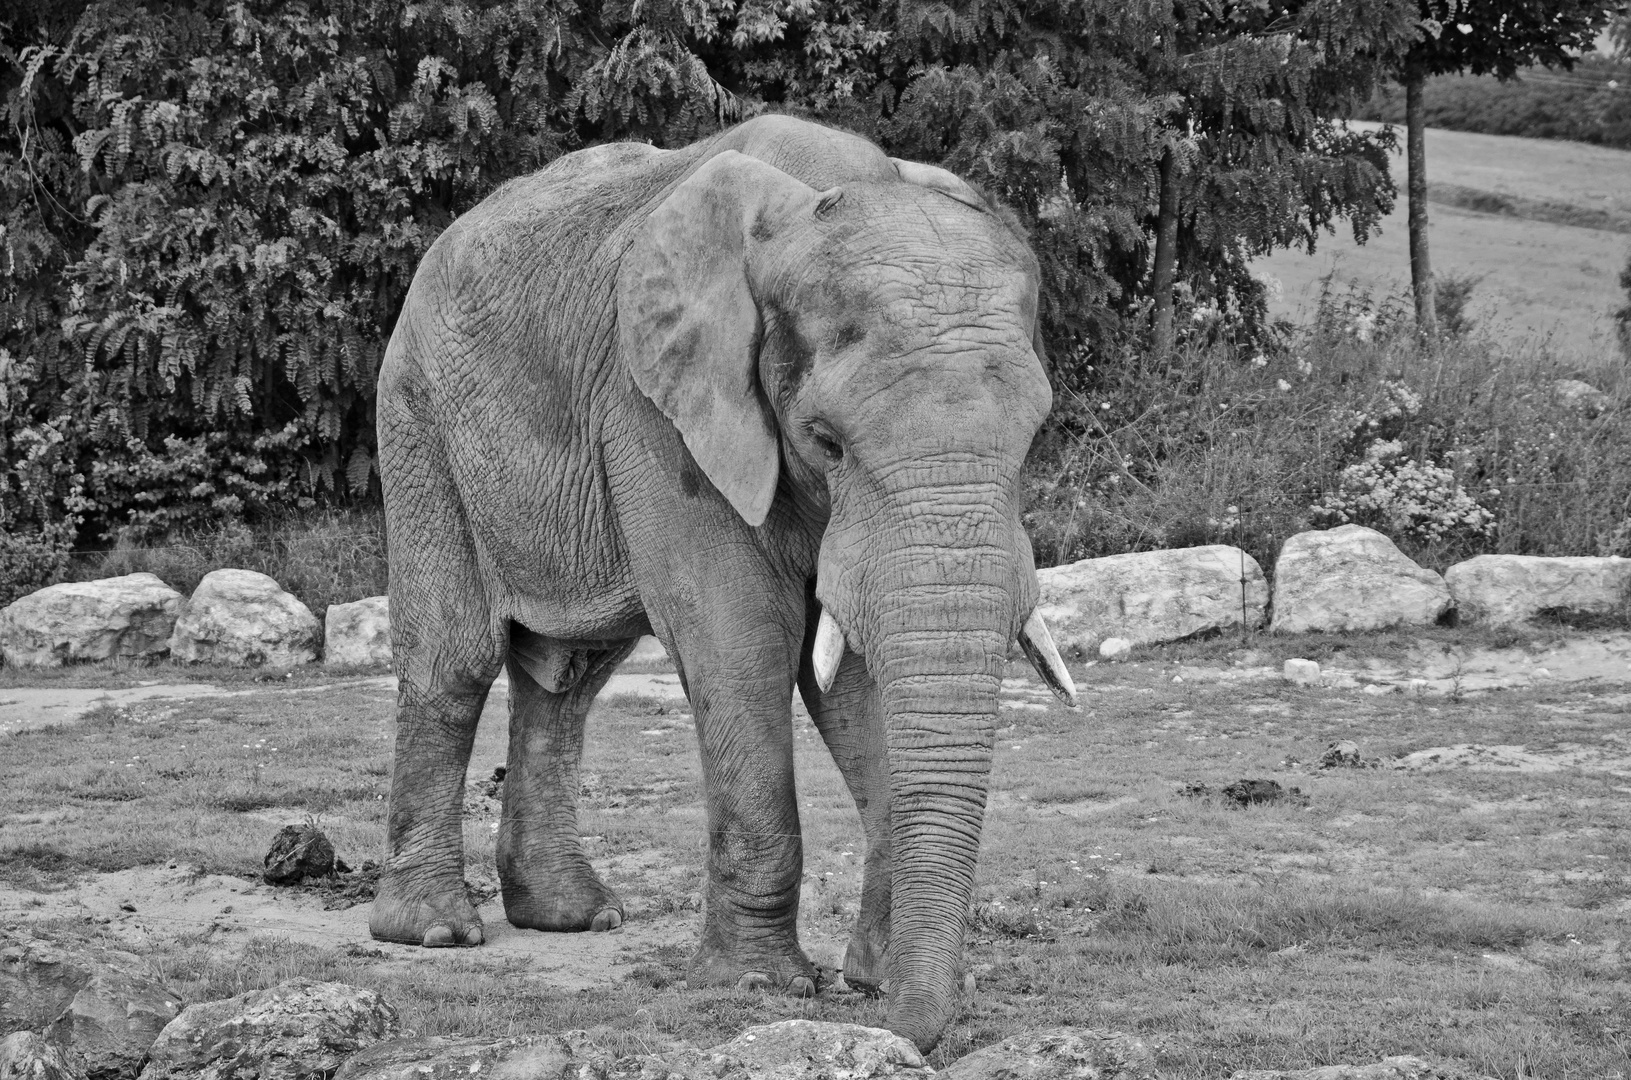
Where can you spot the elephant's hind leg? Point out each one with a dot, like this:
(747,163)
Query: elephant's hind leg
(547,881)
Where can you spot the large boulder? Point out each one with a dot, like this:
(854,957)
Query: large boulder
(1499,590)
(1393,1068)
(359,634)
(27,1056)
(112,1021)
(124,618)
(807,1050)
(298,1030)
(1352,578)
(453,1057)
(1148,597)
(1058,1054)
(241,617)
(104,1007)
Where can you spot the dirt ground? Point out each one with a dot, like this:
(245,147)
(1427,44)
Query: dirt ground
(1477,875)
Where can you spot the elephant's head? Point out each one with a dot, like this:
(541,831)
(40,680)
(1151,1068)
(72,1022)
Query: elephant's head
(869,352)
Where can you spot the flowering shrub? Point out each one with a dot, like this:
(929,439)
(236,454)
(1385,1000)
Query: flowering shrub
(1398,495)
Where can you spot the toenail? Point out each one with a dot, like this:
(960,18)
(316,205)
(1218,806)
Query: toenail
(438,936)
(801,987)
(608,919)
(472,936)
(753,980)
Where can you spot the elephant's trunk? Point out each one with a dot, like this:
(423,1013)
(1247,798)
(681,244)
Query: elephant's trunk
(938,661)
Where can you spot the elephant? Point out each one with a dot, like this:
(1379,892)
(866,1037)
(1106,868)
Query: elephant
(767,397)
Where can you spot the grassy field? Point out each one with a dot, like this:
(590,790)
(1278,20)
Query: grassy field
(1477,916)
(1542,279)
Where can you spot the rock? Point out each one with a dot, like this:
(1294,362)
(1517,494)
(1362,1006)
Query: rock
(1114,648)
(241,617)
(648,651)
(1393,1068)
(1581,396)
(1148,597)
(298,1030)
(1058,1054)
(1345,755)
(1301,672)
(105,1007)
(441,1057)
(359,634)
(27,1056)
(37,981)
(297,853)
(813,1048)
(124,618)
(1244,793)
(1352,578)
(113,1020)
(1499,590)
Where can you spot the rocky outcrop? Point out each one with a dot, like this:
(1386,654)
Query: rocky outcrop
(1499,590)
(1352,578)
(241,617)
(27,1056)
(103,1008)
(1393,1068)
(112,1021)
(1149,597)
(119,618)
(359,634)
(445,1057)
(298,1030)
(1058,1054)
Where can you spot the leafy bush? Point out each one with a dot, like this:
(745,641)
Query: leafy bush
(212,210)
(1453,451)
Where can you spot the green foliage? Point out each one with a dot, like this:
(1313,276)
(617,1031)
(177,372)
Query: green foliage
(1500,37)
(1452,452)
(1581,106)
(1622,317)
(212,210)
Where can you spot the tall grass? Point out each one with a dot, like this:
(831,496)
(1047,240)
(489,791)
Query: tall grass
(1219,446)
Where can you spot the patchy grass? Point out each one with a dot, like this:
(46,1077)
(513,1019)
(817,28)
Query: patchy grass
(1468,915)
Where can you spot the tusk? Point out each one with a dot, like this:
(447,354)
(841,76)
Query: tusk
(1040,650)
(827,651)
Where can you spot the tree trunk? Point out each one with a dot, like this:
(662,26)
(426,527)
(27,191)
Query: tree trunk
(1421,269)
(1166,254)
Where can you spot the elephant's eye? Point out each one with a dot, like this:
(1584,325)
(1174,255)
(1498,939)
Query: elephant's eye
(827,442)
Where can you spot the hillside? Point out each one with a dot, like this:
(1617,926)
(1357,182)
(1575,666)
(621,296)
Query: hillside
(1547,224)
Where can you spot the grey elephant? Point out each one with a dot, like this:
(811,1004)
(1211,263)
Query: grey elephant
(767,397)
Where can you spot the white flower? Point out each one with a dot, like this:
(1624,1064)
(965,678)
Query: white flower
(1260,361)
(1283,385)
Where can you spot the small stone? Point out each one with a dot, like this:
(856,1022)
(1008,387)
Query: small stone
(1302,672)
(1375,689)
(1345,755)
(1058,1054)
(1114,648)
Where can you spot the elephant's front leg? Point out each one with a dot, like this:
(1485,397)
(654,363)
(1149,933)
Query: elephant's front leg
(849,716)
(546,878)
(739,676)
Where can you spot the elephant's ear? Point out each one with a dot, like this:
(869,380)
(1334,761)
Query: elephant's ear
(935,178)
(689,326)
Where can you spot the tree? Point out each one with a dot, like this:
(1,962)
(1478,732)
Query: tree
(1478,37)
(213,209)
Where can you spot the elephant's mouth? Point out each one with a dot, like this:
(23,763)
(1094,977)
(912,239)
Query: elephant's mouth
(1035,641)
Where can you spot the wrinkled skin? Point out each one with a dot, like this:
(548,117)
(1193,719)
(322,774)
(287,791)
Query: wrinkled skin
(705,393)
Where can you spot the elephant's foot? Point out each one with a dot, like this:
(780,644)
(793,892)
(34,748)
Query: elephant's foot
(572,901)
(785,969)
(863,960)
(437,918)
